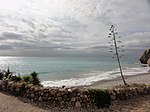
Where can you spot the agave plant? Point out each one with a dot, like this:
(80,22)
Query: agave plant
(7,73)
(115,48)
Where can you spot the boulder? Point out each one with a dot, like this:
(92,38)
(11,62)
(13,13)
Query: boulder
(73,99)
(148,62)
(77,104)
(145,56)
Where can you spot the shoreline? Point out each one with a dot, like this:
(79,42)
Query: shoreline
(143,78)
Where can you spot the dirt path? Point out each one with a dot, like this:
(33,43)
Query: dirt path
(15,104)
(140,104)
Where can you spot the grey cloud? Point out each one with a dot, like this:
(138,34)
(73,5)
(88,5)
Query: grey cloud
(30,23)
(11,36)
(6,47)
(79,26)
(70,24)
(98,47)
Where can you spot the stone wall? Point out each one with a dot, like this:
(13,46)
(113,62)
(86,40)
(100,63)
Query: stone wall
(63,97)
(129,92)
(67,97)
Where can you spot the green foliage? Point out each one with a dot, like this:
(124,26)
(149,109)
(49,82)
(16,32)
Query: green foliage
(8,74)
(32,78)
(129,86)
(15,78)
(137,85)
(101,97)
(1,75)
(35,80)
(34,74)
(26,78)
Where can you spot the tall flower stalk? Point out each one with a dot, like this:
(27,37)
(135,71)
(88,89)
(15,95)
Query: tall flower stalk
(115,41)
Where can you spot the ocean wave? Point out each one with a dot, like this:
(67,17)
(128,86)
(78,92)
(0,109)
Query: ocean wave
(94,76)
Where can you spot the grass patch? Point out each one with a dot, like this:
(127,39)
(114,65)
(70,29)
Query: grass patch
(129,86)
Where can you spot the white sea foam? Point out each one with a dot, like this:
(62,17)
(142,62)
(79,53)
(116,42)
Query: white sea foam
(74,81)
(95,76)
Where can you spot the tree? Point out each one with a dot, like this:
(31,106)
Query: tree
(114,41)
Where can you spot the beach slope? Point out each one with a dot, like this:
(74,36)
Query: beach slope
(106,84)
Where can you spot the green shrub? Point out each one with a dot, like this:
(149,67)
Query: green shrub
(34,80)
(26,78)
(1,75)
(101,97)
(8,74)
(15,78)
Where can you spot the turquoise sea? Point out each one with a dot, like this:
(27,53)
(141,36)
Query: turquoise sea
(71,71)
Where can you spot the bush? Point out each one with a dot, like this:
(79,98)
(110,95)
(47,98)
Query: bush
(34,80)
(101,97)
(1,75)
(8,74)
(15,78)
(26,78)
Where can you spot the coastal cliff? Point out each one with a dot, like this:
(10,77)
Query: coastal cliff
(144,59)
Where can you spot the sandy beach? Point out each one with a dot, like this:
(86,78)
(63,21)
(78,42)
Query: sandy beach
(139,78)
(10,103)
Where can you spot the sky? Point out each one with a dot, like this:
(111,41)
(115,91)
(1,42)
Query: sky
(71,27)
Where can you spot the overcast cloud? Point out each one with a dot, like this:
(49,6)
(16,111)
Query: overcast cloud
(71,27)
